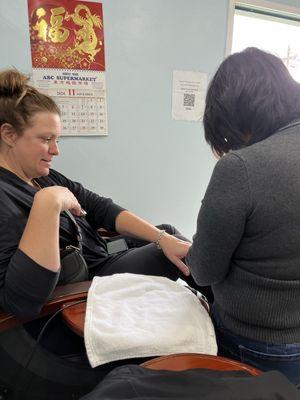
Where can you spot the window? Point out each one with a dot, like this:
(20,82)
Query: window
(269,29)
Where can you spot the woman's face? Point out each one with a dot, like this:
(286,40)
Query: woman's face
(32,152)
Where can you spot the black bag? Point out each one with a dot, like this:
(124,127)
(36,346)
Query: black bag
(73,265)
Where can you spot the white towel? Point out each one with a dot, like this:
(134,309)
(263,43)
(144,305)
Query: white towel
(131,316)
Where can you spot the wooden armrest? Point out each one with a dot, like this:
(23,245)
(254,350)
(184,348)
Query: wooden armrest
(184,361)
(61,295)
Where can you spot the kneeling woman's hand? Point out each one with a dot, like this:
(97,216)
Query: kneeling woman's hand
(175,249)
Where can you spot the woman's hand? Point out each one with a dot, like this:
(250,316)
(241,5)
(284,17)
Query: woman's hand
(40,239)
(175,249)
(61,198)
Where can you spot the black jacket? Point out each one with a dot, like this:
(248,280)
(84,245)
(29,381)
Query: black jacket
(25,285)
(134,382)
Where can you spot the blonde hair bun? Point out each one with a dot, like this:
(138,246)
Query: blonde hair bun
(12,83)
(19,101)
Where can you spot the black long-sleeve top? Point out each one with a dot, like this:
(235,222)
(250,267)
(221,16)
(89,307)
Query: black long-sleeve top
(24,284)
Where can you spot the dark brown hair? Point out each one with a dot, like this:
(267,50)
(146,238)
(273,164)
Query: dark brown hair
(250,97)
(19,101)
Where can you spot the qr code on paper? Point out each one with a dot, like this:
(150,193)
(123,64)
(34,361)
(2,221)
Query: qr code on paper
(188,100)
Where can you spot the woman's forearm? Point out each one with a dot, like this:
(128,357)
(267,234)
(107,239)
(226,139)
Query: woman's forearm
(129,224)
(40,239)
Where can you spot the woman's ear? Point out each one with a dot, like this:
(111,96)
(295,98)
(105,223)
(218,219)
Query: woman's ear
(8,134)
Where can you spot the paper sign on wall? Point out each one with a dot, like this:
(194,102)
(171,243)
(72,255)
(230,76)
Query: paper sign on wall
(188,96)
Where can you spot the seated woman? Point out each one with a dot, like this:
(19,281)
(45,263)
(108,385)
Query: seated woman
(34,198)
(247,244)
(35,226)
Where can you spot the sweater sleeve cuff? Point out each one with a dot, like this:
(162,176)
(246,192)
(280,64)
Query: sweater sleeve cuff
(110,218)
(27,285)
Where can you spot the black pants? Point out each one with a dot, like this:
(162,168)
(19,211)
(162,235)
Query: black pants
(142,258)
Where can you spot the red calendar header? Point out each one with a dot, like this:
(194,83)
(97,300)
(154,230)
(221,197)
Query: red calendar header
(66,34)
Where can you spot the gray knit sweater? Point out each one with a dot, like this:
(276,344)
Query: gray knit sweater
(247,244)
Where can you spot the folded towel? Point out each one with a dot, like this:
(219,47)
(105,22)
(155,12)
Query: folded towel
(131,316)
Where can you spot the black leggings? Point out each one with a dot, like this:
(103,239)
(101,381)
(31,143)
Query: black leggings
(142,258)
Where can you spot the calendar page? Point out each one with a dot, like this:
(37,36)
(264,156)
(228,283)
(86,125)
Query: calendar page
(81,97)
(83,116)
(67,52)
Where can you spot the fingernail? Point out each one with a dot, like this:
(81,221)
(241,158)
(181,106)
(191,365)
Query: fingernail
(82,213)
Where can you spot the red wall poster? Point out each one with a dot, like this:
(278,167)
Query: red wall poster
(66,34)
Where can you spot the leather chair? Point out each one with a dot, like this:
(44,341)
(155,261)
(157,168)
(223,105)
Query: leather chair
(29,371)
(49,376)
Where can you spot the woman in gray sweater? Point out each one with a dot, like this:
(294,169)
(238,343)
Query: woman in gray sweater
(247,244)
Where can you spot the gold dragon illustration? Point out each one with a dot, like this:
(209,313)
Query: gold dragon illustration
(86,39)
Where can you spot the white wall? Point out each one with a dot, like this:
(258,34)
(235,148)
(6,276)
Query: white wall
(152,165)
(292,3)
